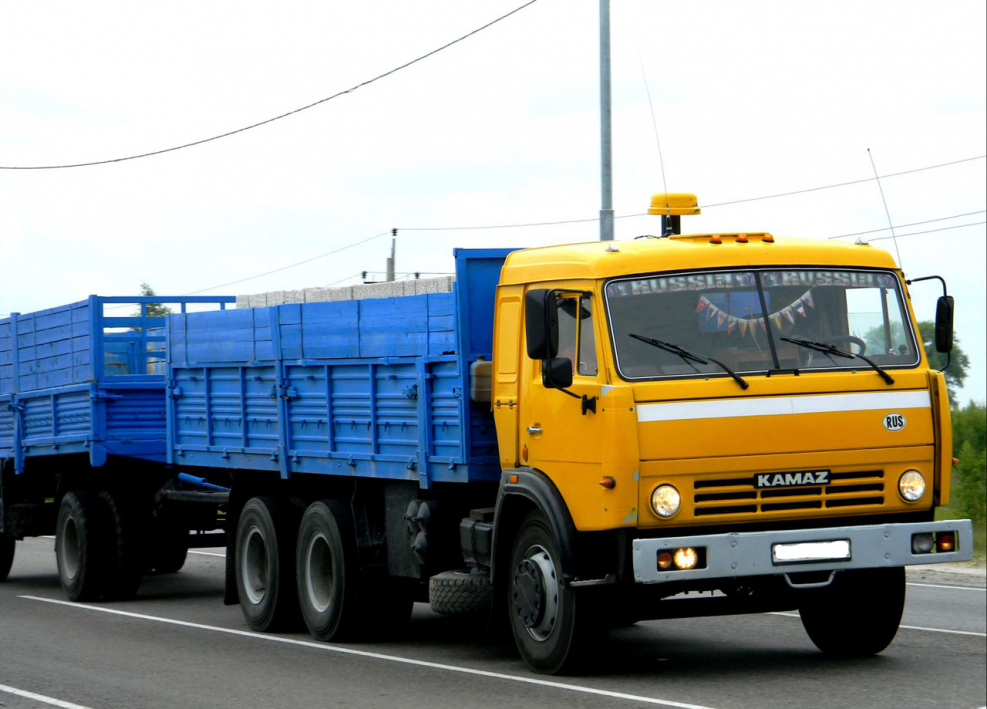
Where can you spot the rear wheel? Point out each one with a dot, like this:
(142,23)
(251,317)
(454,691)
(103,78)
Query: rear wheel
(124,539)
(265,565)
(857,614)
(7,546)
(552,631)
(80,547)
(169,548)
(327,572)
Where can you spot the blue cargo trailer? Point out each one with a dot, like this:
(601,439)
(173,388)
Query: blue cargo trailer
(86,378)
(374,388)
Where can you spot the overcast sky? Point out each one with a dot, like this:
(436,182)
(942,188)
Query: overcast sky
(750,99)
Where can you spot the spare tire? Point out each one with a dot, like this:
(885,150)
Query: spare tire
(460,593)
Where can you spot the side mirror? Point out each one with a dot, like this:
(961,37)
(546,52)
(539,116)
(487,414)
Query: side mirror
(556,373)
(944,324)
(541,324)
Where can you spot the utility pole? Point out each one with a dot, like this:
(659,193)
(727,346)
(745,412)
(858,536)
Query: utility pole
(390,261)
(606,162)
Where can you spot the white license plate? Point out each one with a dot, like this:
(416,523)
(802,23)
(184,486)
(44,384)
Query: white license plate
(838,550)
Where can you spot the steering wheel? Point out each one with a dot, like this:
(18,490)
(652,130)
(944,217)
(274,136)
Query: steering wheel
(847,339)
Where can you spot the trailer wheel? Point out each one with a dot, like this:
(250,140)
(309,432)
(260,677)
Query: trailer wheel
(169,548)
(80,546)
(858,614)
(460,593)
(265,564)
(7,546)
(123,538)
(328,576)
(552,630)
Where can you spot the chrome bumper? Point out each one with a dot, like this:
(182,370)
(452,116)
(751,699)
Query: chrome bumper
(750,553)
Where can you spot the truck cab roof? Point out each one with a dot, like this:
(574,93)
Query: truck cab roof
(605,259)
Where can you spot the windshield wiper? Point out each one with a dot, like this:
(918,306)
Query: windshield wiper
(689,356)
(830,350)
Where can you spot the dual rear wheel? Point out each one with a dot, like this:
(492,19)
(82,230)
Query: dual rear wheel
(97,546)
(290,568)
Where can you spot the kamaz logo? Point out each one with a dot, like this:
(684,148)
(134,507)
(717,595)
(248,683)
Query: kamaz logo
(820,477)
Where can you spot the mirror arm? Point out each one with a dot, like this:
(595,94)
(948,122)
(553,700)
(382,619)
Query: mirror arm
(942,280)
(588,402)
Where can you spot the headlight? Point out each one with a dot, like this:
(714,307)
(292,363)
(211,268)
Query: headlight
(911,485)
(665,500)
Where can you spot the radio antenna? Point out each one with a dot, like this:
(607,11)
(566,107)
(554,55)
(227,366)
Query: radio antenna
(654,123)
(888,213)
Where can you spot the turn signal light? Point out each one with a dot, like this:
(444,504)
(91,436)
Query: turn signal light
(609,483)
(664,559)
(946,541)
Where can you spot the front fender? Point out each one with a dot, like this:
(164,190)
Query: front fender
(523,490)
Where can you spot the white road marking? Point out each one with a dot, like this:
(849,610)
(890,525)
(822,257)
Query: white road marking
(40,698)
(206,553)
(953,588)
(908,627)
(377,656)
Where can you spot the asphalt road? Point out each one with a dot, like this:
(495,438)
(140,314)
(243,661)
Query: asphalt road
(176,645)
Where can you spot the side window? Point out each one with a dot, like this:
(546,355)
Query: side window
(576,337)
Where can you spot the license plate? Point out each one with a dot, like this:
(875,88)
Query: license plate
(805,552)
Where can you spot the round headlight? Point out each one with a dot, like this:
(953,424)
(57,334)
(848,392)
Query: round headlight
(665,500)
(911,485)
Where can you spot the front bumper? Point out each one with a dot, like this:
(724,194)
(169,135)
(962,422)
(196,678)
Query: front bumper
(750,553)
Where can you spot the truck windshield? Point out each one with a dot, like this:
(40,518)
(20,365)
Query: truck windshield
(748,319)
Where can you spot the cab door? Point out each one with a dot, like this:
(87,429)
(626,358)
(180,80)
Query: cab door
(559,432)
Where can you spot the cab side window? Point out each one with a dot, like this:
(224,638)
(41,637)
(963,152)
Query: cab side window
(577,341)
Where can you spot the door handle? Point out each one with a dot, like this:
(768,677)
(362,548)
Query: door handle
(534,429)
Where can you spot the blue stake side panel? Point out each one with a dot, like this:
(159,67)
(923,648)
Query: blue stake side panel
(370,388)
(73,380)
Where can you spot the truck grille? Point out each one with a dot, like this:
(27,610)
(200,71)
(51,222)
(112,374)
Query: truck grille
(736,496)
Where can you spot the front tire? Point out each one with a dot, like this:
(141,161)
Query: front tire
(552,632)
(265,565)
(858,614)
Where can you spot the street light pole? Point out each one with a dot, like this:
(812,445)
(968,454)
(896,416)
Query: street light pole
(606,152)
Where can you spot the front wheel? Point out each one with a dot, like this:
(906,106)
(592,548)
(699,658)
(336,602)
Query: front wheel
(552,631)
(858,614)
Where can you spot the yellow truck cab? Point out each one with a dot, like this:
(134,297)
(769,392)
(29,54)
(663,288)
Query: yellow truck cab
(748,416)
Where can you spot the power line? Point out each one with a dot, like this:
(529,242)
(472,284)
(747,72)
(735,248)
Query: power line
(292,265)
(705,206)
(842,184)
(901,226)
(276,118)
(929,231)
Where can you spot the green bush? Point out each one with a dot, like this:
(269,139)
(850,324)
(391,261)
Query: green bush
(969,496)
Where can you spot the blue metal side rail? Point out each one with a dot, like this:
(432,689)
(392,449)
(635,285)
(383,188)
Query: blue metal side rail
(79,379)
(367,388)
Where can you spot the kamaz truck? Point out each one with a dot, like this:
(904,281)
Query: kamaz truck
(572,438)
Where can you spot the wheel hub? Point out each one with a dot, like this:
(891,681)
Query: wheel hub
(535,593)
(529,593)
